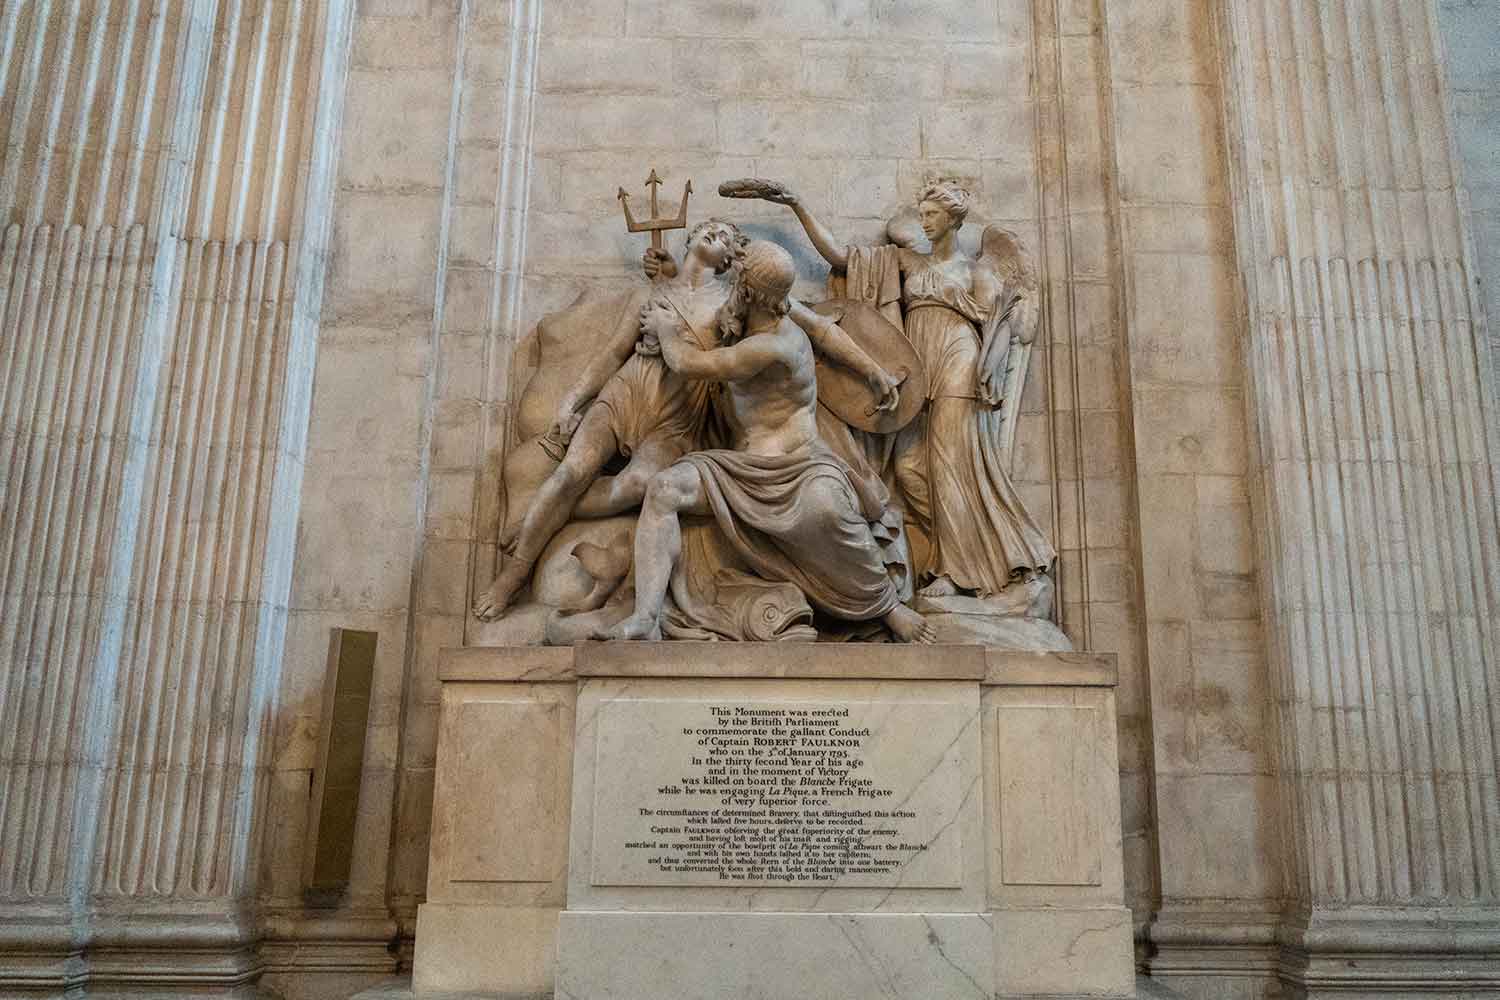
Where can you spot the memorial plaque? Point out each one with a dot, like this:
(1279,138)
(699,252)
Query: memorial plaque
(740,792)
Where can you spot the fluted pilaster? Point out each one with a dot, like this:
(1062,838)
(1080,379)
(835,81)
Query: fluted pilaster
(160,281)
(1371,412)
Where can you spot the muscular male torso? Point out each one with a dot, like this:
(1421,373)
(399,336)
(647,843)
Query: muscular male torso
(774,412)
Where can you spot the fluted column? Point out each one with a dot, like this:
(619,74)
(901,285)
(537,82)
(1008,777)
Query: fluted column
(164,193)
(1371,411)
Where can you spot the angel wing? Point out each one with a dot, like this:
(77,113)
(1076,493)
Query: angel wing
(905,229)
(1015,312)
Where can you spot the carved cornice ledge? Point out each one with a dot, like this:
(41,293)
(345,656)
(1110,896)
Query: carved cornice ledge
(785,661)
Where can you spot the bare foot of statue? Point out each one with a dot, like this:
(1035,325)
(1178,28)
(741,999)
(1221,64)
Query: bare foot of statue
(943,586)
(908,626)
(638,626)
(493,602)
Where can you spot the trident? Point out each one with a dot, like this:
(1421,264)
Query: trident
(655,225)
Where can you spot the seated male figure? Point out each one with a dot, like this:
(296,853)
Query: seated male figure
(630,401)
(791,509)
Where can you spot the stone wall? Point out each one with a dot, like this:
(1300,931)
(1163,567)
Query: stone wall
(477,193)
(196,382)
(1106,132)
(455,234)
(1471,36)
(359,528)
(1214,800)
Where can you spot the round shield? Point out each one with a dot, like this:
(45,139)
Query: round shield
(846,393)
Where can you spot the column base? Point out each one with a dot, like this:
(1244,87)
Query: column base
(158,951)
(325,954)
(1223,951)
(1365,953)
(1357,953)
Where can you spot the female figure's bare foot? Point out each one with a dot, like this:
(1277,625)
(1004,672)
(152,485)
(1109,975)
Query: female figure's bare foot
(493,602)
(908,626)
(637,626)
(943,586)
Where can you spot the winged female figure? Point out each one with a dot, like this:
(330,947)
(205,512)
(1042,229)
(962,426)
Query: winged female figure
(972,320)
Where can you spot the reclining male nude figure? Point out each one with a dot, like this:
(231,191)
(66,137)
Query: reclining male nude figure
(787,505)
(629,402)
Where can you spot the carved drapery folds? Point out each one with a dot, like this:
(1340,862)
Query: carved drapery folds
(164,185)
(1376,482)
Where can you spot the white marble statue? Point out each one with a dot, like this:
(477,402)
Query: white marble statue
(631,402)
(972,321)
(789,507)
(801,480)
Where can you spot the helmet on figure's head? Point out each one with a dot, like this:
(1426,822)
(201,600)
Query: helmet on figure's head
(769,273)
(764,280)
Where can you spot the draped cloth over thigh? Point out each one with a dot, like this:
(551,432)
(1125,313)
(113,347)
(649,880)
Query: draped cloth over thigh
(803,519)
(949,465)
(648,402)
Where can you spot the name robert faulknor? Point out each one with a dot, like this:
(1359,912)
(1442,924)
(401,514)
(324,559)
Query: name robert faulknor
(813,738)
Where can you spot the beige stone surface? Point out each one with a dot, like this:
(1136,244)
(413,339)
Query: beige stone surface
(1009,668)
(776,767)
(981,629)
(955,885)
(488,949)
(399,988)
(1053,817)
(859,107)
(1202,702)
(790,660)
(162,268)
(1051,830)
(535,664)
(499,837)
(1030,811)
(511,747)
(1176,164)
(1085,952)
(834,956)
(502,795)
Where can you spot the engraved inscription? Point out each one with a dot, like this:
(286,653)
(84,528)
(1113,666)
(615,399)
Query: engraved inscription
(826,794)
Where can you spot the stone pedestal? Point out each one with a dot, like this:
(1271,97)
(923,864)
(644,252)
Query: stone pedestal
(686,820)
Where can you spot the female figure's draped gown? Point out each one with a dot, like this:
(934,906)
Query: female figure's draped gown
(949,465)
